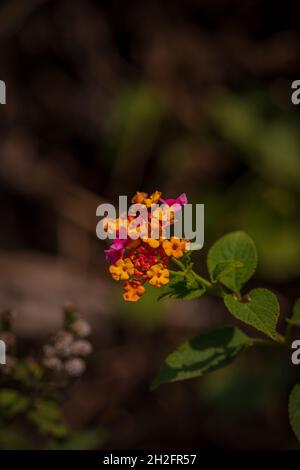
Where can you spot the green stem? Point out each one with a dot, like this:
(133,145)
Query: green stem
(201,280)
(178,263)
(176,273)
(210,288)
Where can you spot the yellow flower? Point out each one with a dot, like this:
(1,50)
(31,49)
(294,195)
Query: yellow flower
(122,269)
(153,199)
(152,242)
(139,198)
(159,275)
(133,291)
(174,247)
(142,198)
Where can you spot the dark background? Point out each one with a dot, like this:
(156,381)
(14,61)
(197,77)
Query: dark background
(106,98)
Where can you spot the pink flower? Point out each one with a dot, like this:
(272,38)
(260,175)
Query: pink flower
(115,251)
(180,200)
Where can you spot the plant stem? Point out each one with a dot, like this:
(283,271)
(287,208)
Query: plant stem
(201,280)
(176,273)
(210,288)
(178,263)
(186,270)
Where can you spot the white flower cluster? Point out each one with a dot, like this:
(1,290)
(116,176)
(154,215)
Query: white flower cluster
(69,349)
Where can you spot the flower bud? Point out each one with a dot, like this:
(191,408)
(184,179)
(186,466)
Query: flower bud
(49,350)
(75,367)
(63,342)
(81,328)
(81,348)
(53,363)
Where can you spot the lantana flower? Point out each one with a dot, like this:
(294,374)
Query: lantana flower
(122,269)
(146,259)
(174,247)
(133,290)
(158,275)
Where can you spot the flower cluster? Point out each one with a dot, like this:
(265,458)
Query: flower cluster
(65,354)
(146,259)
(69,347)
(32,386)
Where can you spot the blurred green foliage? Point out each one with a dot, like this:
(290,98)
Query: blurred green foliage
(264,199)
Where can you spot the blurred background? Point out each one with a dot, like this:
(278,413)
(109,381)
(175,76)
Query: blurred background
(106,98)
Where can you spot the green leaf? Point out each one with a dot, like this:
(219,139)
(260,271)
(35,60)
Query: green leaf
(202,354)
(12,402)
(260,309)
(183,288)
(232,260)
(48,418)
(294,410)
(226,267)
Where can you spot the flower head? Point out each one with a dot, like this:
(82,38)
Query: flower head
(53,363)
(133,291)
(145,259)
(122,269)
(81,347)
(174,247)
(158,275)
(75,367)
(143,198)
(81,328)
(66,352)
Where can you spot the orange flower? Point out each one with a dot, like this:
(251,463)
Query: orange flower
(152,242)
(142,198)
(159,275)
(174,247)
(153,199)
(145,259)
(122,269)
(133,291)
(139,198)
